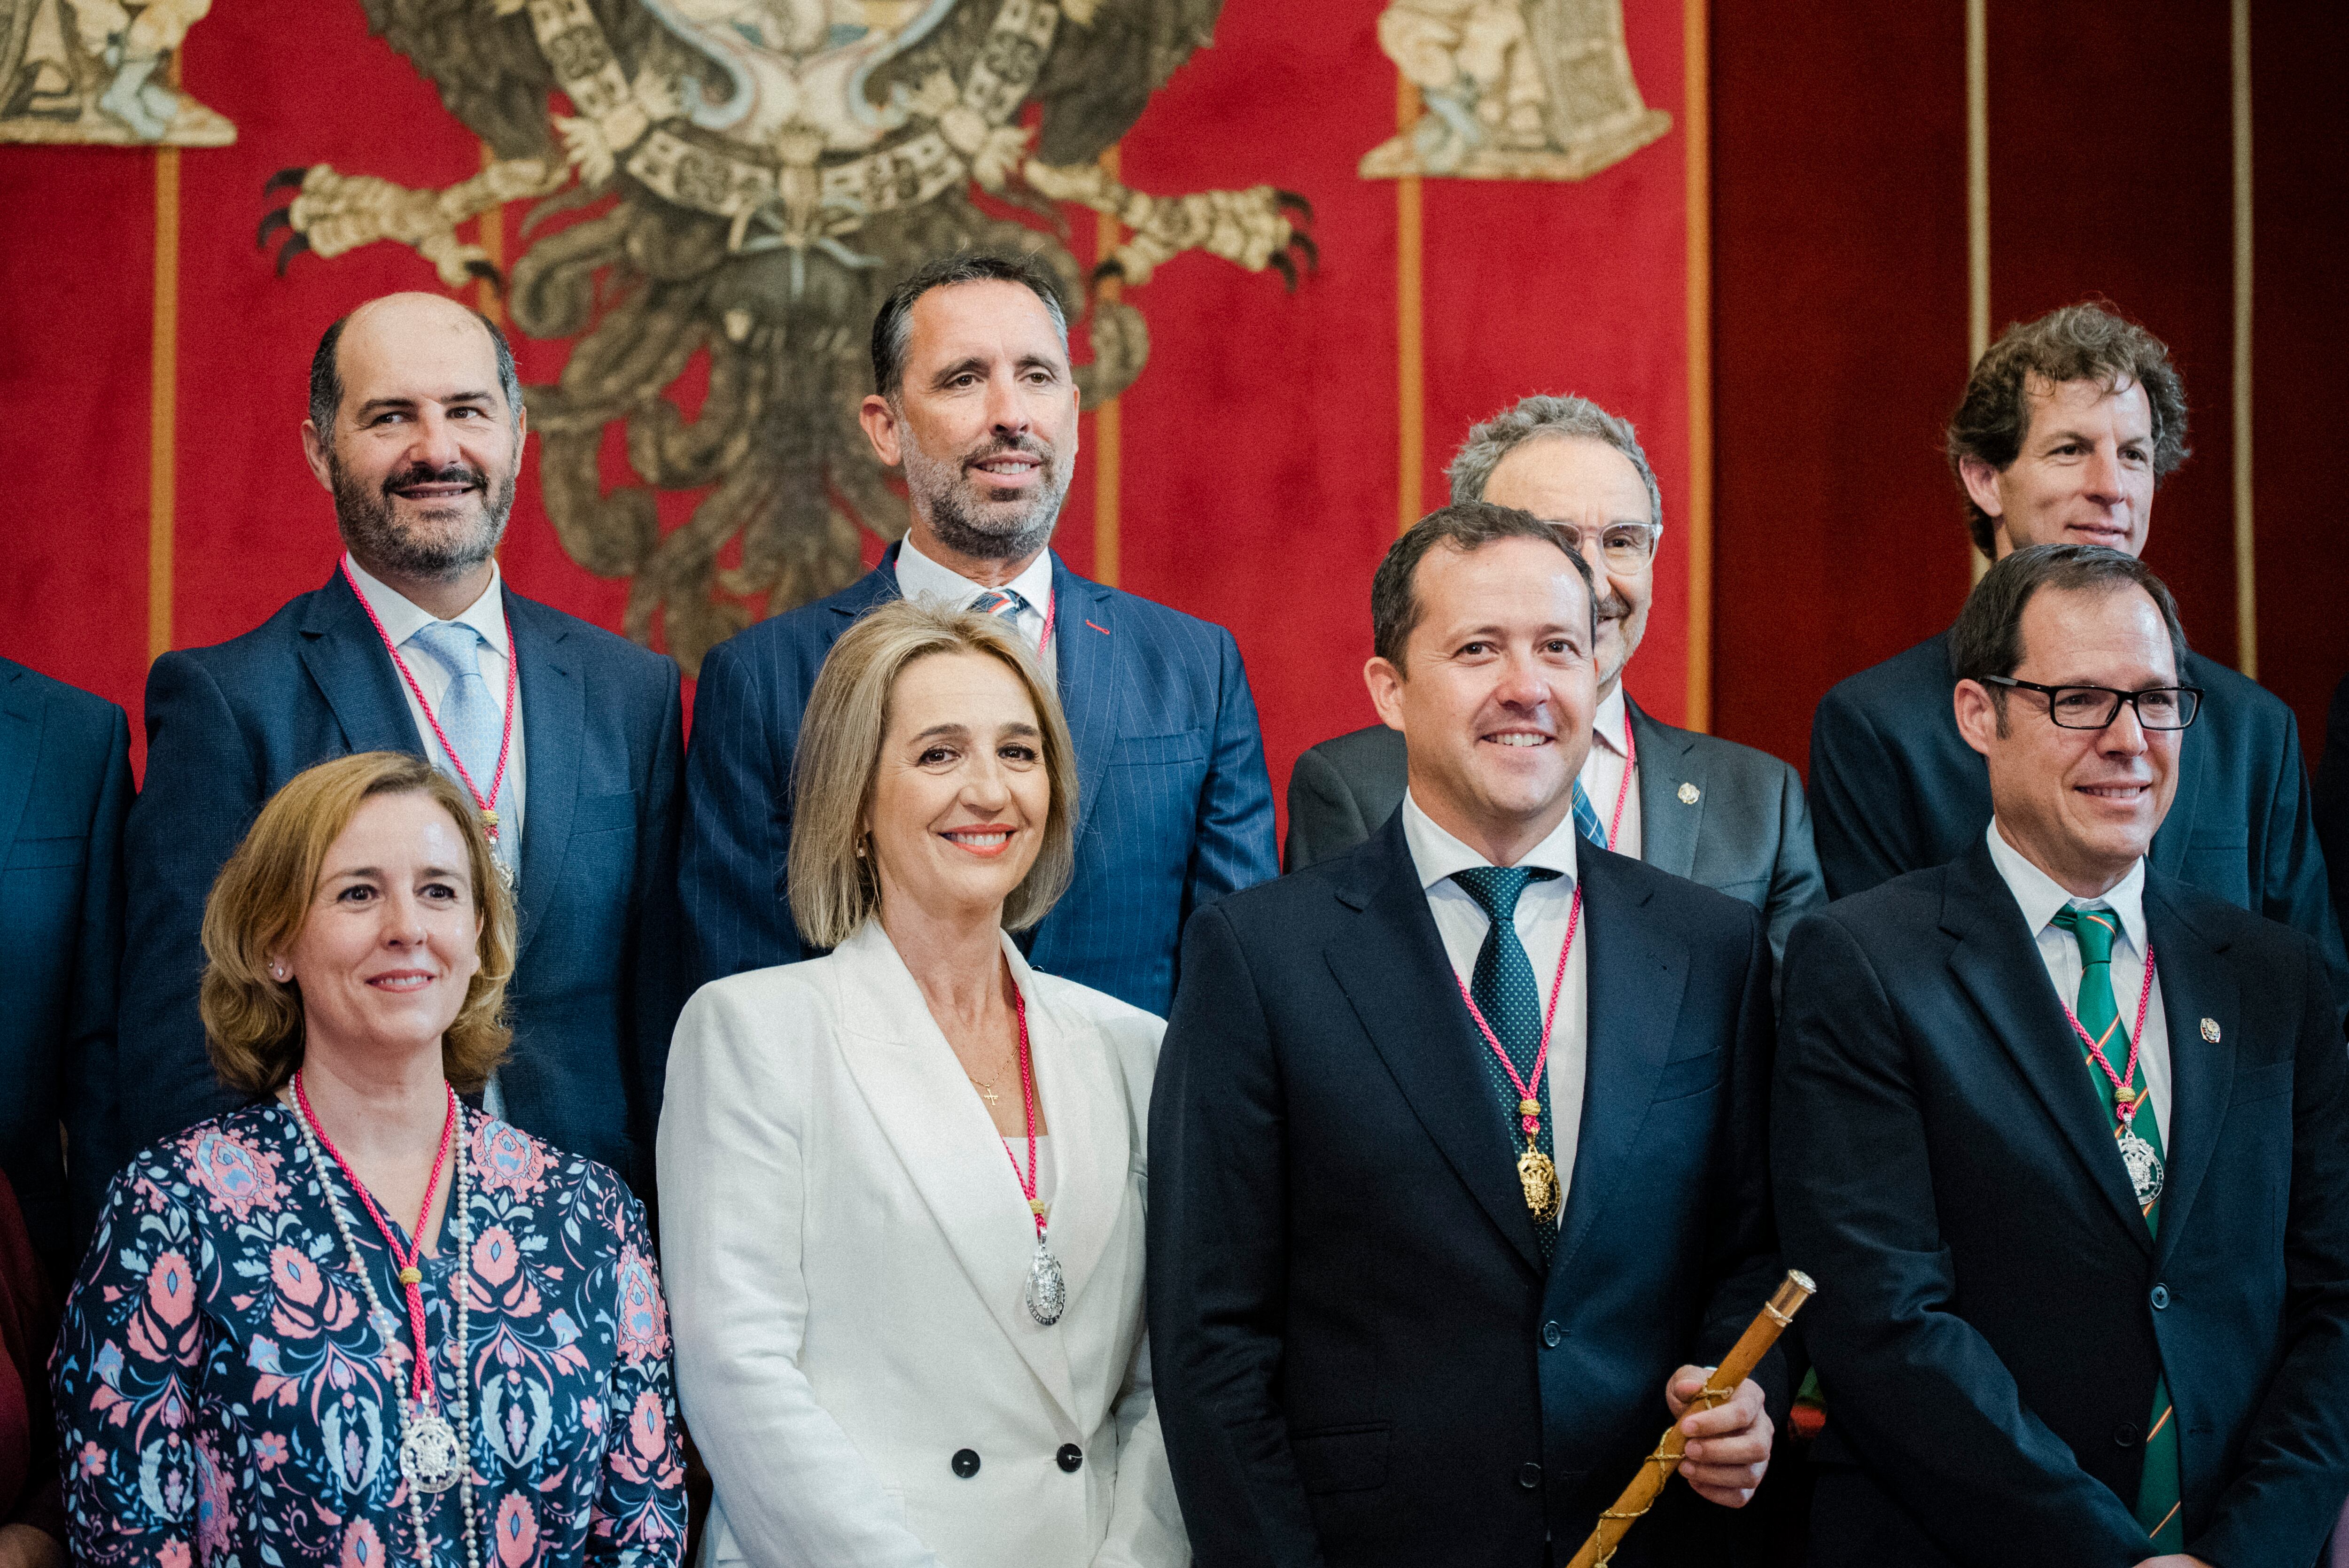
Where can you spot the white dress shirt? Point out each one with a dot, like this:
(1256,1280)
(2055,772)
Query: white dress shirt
(919,577)
(2042,897)
(1608,775)
(402,620)
(1543,911)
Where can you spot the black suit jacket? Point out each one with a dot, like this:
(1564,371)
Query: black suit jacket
(1358,1356)
(65,786)
(1897,789)
(2331,800)
(597,984)
(1992,1312)
(1747,833)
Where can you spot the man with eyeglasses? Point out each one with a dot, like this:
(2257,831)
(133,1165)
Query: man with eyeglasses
(2060,1135)
(1693,805)
(2069,425)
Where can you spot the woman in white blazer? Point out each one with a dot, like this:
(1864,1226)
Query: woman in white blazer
(890,1351)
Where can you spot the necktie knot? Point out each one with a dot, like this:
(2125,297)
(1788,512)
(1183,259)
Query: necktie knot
(1005,604)
(1496,888)
(2093,929)
(451,644)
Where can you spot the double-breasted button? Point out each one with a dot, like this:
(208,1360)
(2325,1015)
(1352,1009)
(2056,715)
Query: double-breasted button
(1529,1475)
(2126,1435)
(2160,1297)
(1070,1457)
(965,1462)
(1552,1334)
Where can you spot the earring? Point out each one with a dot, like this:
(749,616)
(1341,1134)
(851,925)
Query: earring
(277,972)
(860,849)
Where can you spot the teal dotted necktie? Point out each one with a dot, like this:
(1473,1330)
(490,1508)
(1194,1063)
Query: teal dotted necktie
(1507,993)
(1585,817)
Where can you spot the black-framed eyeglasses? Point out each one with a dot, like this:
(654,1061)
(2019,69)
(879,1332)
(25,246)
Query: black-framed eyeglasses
(1625,545)
(2095,707)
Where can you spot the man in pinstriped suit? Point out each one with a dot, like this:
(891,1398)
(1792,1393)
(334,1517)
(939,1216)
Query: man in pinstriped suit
(975,398)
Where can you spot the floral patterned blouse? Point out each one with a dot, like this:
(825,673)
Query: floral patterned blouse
(224,1397)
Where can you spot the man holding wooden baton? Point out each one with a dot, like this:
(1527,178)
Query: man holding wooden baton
(2066,1142)
(1458,1143)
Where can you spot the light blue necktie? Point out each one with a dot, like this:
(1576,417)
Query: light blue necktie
(1586,816)
(474,722)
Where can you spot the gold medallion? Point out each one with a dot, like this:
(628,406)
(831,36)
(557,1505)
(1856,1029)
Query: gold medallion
(1539,1177)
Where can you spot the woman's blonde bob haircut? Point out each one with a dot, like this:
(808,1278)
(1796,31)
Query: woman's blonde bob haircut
(833,889)
(253,1024)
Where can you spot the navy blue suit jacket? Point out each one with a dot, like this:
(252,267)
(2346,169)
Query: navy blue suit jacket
(1896,789)
(65,786)
(1358,1356)
(597,985)
(1173,807)
(1992,1310)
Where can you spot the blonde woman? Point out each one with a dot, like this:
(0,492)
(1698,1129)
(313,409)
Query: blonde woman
(357,1323)
(903,1183)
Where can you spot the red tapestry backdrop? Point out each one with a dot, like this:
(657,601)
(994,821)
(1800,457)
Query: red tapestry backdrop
(155,381)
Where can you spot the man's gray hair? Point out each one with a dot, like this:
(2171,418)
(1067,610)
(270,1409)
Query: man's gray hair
(1542,415)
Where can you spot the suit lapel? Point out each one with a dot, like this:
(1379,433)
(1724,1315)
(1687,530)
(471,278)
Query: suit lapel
(1998,964)
(1093,1146)
(555,727)
(1390,964)
(1638,974)
(876,587)
(1085,653)
(1668,827)
(951,1150)
(21,722)
(347,661)
(2196,983)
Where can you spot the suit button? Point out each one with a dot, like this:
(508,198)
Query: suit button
(965,1462)
(1529,1475)
(2160,1297)
(2125,1435)
(1552,1334)
(1070,1457)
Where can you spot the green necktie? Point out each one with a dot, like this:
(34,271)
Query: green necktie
(2159,1492)
(1511,1000)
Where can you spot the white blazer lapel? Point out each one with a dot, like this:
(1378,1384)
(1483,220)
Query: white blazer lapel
(1091,1144)
(951,1150)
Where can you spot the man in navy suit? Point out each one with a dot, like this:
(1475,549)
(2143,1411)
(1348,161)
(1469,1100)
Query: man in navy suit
(1457,1147)
(2069,425)
(572,735)
(64,785)
(976,399)
(2061,1137)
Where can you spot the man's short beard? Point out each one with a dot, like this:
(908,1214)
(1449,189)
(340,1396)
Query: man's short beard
(370,527)
(940,492)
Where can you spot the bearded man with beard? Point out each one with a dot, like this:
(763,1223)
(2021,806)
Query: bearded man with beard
(569,739)
(975,399)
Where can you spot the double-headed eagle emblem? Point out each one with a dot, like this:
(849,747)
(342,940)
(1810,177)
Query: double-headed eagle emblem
(747,179)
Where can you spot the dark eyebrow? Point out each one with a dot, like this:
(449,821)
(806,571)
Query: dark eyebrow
(375,405)
(1038,362)
(962,366)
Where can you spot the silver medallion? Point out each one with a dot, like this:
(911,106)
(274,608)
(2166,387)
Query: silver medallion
(2144,1165)
(428,1453)
(1047,1292)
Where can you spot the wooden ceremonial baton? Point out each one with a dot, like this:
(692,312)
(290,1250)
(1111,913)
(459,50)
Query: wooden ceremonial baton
(1659,1467)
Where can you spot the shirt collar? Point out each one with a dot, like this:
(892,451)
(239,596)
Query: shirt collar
(1607,723)
(1438,855)
(2043,897)
(402,619)
(919,577)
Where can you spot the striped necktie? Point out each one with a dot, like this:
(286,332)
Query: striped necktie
(1003,604)
(2160,1490)
(1586,817)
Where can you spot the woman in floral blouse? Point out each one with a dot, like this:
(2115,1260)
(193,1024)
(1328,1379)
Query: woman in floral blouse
(237,1381)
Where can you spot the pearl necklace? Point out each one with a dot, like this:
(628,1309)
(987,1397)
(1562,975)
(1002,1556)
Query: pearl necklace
(387,1328)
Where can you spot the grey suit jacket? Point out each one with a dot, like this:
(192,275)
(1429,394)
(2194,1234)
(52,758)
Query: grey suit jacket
(1747,832)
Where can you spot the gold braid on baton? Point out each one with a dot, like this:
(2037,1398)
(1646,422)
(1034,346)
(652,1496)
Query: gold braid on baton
(1659,1467)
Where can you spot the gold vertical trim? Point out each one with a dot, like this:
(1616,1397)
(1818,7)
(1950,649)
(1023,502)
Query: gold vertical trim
(2247,584)
(491,235)
(1696,125)
(1410,389)
(1977,202)
(162,401)
(1108,421)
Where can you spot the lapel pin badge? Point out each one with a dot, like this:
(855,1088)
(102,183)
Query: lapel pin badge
(1690,794)
(2210,1030)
